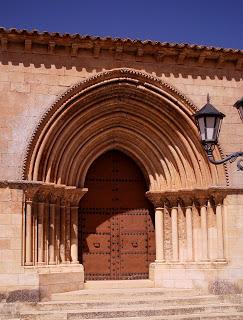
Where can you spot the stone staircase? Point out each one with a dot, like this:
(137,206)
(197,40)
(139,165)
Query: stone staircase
(128,303)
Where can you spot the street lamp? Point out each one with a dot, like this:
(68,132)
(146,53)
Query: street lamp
(209,121)
(239,106)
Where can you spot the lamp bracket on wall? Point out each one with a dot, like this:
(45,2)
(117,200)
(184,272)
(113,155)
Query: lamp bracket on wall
(231,158)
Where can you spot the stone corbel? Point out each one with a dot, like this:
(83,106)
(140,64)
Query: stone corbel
(239,63)
(27,45)
(74,50)
(4,43)
(119,52)
(202,57)
(181,57)
(96,50)
(160,56)
(220,61)
(140,53)
(51,47)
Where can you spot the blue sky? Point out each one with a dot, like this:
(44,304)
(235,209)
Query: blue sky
(217,23)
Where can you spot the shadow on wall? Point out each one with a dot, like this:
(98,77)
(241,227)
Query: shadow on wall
(85,62)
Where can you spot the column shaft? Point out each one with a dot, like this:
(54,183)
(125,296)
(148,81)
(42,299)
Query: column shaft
(159,234)
(68,244)
(57,234)
(62,235)
(204,230)
(40,231)
(174,226)
(74,234)
(189,234)
(51,250)
(220,236)
(28,241)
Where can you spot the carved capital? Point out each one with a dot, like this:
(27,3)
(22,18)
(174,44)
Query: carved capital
(202,201)
(30,193)
(155,198)
(73,196)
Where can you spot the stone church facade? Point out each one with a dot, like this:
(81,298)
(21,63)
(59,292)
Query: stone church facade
(103,176)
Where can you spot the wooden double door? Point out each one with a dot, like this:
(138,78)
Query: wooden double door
(116,221)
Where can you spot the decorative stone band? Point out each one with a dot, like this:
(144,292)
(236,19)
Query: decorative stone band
(190,224)
(35,42)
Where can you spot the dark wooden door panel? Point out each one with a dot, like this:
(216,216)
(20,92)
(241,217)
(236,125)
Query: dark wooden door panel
(116,231)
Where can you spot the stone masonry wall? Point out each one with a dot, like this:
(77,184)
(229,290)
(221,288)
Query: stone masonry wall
(30,83)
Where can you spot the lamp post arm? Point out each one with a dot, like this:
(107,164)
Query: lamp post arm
(233,156)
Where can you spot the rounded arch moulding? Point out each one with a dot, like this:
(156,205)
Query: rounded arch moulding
(128,110)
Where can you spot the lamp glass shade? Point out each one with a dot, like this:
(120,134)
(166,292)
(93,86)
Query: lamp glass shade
(209,121)
(209,127)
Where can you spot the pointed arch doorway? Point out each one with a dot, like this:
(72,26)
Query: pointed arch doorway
(116,221)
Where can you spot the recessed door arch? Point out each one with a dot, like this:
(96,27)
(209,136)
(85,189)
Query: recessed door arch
(116,227)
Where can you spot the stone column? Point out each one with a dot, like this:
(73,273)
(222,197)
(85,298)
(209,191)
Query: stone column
(189,238)
(175,239)
(63,231)
(57,233)
(40,232)
(220,236)
(204,230)
(73,197)
(159,234)
(51,249)
(74,234)
(29,240)
(68,244)
(28,232)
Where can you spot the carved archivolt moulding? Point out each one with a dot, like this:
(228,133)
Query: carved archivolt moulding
(128,110)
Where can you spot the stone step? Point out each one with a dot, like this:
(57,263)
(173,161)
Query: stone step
(211,316)
(132,311)
(116,284)
(107,294)
(116,303)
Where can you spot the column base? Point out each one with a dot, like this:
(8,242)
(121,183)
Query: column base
(220,260)
(159,261)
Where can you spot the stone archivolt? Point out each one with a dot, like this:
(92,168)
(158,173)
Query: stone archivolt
(129,111)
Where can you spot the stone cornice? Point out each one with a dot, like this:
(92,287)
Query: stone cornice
(159,197)
(36,42)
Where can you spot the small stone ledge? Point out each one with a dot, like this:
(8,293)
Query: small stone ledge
(192,265)
(19,184)
(48,269)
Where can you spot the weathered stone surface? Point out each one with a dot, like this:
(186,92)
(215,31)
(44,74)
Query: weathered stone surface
(92,96)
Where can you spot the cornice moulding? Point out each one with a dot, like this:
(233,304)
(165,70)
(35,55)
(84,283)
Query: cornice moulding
(13,40)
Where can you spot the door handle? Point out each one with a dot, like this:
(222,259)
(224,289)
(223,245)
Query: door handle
(134,244)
